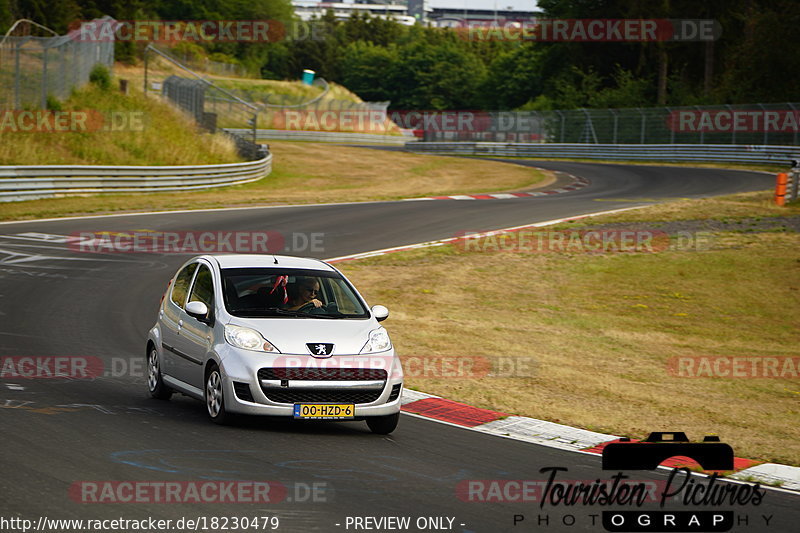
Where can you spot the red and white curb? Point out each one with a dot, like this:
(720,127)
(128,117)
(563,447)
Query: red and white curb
(577,183)
(542,432)
(568,438)
(787,477)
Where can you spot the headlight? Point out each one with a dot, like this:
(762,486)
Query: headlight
(378,341)
(248,339)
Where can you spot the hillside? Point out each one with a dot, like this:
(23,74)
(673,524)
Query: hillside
(274,98)
(117,130)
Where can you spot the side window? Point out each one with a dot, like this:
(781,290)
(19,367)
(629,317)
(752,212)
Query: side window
(203,288)
(181,286)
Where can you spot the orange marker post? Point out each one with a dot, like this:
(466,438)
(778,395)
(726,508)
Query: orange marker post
(780,188)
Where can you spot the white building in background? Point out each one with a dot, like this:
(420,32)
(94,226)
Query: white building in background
(443,13)
(308,9)
(440,13)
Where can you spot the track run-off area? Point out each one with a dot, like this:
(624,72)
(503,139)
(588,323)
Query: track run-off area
(65,441)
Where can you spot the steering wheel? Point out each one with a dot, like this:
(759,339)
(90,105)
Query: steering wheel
(306,307)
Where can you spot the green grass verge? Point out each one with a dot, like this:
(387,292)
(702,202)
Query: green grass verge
(148,132)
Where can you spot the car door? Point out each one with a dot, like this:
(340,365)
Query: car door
(172,321)
(197,335)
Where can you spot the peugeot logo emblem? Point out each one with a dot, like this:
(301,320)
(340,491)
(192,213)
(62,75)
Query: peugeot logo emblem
(320,349)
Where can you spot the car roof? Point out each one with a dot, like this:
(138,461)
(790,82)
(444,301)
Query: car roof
(268,261)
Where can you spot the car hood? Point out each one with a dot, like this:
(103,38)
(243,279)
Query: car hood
(290,335)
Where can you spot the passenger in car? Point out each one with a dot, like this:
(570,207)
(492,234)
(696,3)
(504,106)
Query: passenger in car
(303,292)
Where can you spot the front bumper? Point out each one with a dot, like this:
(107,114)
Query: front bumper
(242,366)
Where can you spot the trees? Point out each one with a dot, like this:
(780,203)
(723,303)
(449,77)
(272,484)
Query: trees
(513,78)
(371,71)
(744,65)
(754,59)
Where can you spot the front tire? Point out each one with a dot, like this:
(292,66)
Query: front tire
(155,385)
(215,397)
(383,425)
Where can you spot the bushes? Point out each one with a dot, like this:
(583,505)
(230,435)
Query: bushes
(101,77)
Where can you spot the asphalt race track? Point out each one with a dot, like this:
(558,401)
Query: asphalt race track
(57,433)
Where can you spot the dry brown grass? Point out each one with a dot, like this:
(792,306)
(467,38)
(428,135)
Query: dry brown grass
(602,329)
(313,173)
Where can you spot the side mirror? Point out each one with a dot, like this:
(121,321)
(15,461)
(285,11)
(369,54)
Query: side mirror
(380,313)
(198,310)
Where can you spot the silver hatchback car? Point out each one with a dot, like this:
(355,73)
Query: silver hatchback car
(274,335)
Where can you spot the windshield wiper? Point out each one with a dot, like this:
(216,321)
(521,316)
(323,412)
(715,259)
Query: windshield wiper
(290,312)
(316,315)
(282,311)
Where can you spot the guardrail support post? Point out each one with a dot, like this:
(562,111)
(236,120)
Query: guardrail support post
(795,184)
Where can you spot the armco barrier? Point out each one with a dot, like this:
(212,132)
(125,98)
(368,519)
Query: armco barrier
(324,136)
(49,181)
(708,153)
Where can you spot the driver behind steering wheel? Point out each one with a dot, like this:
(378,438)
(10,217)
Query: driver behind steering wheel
(303,294)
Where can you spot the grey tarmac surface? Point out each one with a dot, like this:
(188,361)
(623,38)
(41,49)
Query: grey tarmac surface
(59,432)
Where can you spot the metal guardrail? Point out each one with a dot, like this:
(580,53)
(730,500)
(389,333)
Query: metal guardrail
(709,153)
(50,181)
(324,136)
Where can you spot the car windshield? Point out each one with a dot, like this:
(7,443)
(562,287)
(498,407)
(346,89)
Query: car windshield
(289,293)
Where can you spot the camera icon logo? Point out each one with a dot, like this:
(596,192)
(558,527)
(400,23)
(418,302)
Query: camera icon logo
(710,454)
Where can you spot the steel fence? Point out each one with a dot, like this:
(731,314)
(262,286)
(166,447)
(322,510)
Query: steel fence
(762,124)
(35,68)
(195,94)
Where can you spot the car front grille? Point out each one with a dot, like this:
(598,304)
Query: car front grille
(323,374)
(289,395)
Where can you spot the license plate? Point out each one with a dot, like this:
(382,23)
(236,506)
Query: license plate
(324,410)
